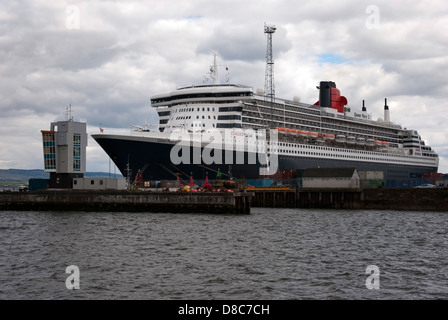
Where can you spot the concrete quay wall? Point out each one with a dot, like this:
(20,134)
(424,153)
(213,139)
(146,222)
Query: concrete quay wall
(318,199)
(414,199)
(176,202)
(368,199)
(238,202)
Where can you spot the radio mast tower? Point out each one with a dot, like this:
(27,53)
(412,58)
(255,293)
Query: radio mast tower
(269,88)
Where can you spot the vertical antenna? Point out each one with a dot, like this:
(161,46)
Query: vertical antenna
(269,77)
(214,74)
(68,112)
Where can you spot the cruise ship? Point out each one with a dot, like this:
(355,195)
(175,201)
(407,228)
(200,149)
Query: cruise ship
(233,131)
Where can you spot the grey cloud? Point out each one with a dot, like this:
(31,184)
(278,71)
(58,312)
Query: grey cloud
(68,50)
(243,42)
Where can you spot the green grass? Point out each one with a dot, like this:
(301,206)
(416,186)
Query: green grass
(12,183)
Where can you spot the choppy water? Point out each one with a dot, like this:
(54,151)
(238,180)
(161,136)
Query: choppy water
(269,254)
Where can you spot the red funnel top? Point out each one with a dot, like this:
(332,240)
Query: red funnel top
(191,183)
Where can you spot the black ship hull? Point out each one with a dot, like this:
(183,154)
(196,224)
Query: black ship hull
(132,154)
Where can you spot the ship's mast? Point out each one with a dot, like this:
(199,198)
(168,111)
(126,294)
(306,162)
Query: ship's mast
(214,74)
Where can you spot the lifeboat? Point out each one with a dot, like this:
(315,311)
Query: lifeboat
(281,129)
(301,133)
(340,138)
(370,142)
(361,141)
(291,131)
(385,143)
(351,140)
(378,142)
(313,134)
(329,136)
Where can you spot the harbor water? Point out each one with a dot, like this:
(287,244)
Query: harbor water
(270,254)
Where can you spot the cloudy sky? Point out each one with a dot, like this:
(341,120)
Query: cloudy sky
(107,58)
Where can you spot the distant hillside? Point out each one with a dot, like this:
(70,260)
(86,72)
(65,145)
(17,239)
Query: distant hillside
(19,175)
(22,176)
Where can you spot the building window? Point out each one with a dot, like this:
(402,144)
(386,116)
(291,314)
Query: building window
(76,152)
(76,165)
(76,138)
(229,125)
(49,150)
(230,117)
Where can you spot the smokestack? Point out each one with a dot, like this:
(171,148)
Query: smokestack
(363,106)
(325,93)
(386,111)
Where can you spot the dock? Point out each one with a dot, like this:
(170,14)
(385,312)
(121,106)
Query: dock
(409,199)
(299,198)
(126,201)
(238,202)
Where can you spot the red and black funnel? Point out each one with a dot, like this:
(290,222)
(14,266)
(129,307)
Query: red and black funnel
(330,96)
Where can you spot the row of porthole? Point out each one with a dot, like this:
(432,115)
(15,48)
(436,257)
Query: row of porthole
(349,157)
